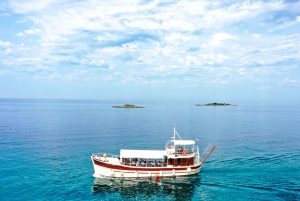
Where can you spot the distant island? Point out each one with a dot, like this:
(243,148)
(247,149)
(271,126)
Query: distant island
(215,104)
(128,106)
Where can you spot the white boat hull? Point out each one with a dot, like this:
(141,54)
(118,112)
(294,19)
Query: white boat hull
(112,168)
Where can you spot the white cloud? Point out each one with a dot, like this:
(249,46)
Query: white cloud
(138,40)
(20,34)
(98,63)
(29,32)
(255,35)
(220,58)
(218,38)
(287,82)
(265,87)
(214,58)
(5,44)
(32,31)
(286,23)
(54,76)
(166,51)
(175,38)
(25,6)
(241,71)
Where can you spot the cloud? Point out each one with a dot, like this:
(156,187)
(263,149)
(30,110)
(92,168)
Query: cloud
(26,6)
(5,44)
(218,38)
(265,87)
(212,59)
(287,82)
(286,23)
(98,63)
(255,35)
(29,32)
(153,40)
(176,38)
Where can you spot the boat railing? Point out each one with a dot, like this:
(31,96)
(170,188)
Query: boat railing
(107,155)
(169,145)
(144,163)
(188,152)
(197,156)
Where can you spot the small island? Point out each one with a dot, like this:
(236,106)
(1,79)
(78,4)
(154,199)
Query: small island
(215,104)
(128,106)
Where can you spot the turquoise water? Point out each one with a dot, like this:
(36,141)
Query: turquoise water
(46,147)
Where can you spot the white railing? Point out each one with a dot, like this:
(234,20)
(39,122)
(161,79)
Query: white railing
(181,153)
(197,155)
(107,155)
(168,145)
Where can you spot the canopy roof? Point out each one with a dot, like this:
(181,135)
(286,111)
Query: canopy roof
(126,153)
(183,142)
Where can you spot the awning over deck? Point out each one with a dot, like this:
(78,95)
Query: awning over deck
(125,153)
(183,142)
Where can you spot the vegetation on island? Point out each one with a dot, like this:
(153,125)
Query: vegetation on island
(215,104)
(128,106)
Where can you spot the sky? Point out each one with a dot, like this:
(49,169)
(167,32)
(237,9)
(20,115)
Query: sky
(199,50)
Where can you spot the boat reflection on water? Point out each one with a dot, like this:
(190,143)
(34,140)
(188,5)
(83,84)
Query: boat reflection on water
(180,188)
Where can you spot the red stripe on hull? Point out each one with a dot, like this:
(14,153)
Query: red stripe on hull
(122,167)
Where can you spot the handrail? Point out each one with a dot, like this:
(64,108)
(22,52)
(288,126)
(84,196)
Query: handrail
(107,155)
(181,153)
(198,154)
(167,144)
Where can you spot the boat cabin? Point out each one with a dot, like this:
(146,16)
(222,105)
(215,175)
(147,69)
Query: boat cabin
(177,153)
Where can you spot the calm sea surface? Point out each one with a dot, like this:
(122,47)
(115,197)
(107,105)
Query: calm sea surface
(45,149)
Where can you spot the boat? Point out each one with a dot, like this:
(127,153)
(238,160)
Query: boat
(179,158)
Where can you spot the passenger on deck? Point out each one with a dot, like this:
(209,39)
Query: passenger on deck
(179,149)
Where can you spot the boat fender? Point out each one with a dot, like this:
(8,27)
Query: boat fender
(149,173)
(136,174)
(160,174)
(189,169)
(111,173)
(122,174)
(173,172)
(184,152)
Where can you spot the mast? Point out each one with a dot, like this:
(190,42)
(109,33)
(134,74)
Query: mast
(174,131)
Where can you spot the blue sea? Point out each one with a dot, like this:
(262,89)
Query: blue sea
(45,149)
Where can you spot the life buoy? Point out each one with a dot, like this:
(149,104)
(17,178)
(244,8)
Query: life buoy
(184,152)
(189,169)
